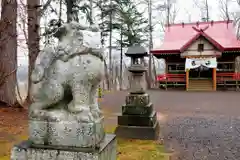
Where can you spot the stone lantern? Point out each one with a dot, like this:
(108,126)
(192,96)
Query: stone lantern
(137,69)
(138,119)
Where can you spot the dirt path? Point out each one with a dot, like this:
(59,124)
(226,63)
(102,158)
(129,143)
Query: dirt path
(197,125)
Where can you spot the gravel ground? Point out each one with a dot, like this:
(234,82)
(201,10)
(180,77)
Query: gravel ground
(198,138)
(197,125)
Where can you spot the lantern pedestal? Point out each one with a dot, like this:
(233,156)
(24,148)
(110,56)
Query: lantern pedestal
(138,119)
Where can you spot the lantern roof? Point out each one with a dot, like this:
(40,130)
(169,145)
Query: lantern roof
(136,51)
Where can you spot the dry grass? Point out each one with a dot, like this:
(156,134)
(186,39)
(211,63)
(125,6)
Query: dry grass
(13,129)
(138,149)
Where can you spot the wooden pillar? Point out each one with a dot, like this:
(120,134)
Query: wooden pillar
(187,79)
(214,77)
(166,72)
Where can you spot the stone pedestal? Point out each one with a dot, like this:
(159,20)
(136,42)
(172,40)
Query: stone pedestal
(61,128)
(28,151)
(60,135)
(138,119)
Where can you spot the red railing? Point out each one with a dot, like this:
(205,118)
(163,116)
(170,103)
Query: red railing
(225,76)
(236,76)
(181,77)
(171,78)
(161,77)
(228,76)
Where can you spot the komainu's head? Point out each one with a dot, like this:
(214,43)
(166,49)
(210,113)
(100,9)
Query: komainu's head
(77,35)
(74,30)
(71,32)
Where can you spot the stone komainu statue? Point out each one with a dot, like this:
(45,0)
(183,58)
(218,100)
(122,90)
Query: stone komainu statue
(67,77)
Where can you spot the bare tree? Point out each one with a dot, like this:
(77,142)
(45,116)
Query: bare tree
(150,77)
(33,37)
(224,9)
(34,12)
(238,2)
(189,15)
(110,43)
(23,37)
(204,7)
(8,50)
(168,11)
(120,80)
(235,16)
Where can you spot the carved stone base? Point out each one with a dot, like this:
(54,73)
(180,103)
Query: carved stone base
(137,100)
(136,110)
(65,131)
(138,120)
(138,132)
(107,151)
(144,127)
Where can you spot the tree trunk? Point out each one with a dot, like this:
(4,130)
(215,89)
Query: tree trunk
(8,52)
(150,67)
(110,45)
(207,10)
(107,80)
(69,4)
(106,75)
(33,38)
(121,62)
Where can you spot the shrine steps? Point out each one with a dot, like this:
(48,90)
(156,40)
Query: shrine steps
(200,85)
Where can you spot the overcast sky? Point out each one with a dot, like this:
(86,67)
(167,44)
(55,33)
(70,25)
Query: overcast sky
(186,10)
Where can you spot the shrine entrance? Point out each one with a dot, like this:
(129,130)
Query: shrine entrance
(201,72)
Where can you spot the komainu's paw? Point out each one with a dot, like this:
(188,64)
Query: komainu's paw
(86,117)
(36,113)
(64,58)
(75,108)
(97,113)
(94,28)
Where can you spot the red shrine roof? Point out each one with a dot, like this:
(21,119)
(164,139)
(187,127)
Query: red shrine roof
(178,37)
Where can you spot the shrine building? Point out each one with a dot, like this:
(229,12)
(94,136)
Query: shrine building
(201,56)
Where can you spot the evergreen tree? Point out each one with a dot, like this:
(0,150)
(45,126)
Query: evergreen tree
(131,24)
(108,11)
